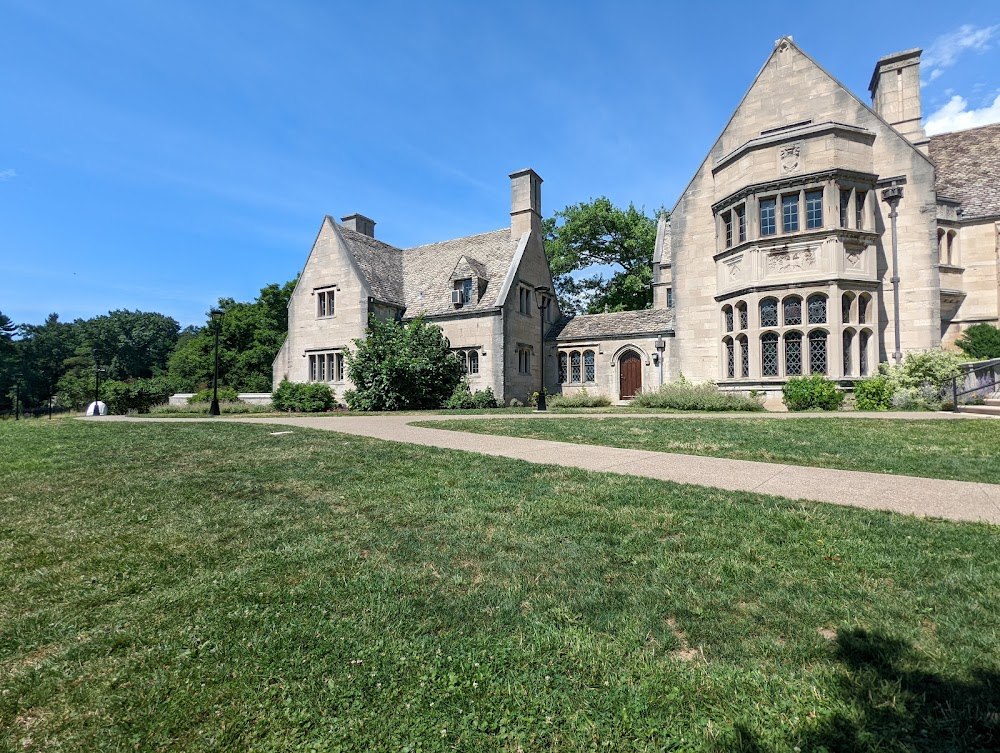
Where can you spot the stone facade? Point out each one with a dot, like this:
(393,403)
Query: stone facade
(778,257)
(480,290)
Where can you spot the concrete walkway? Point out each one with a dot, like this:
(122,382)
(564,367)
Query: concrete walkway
(955,500)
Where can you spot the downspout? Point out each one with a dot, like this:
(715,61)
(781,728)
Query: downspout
(892,195)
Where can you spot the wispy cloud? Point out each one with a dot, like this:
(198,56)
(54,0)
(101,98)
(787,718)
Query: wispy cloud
(8,174)
(955,116)
(946,49)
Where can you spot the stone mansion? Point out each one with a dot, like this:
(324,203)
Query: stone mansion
(820,235)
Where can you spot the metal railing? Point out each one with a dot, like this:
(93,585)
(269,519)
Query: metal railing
(979,378)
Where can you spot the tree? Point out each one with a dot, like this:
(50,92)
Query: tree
(585,241)
(401,367)
(249,339)
(980,341)
(7,358)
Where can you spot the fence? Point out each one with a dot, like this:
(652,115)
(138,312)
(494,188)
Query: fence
(37,412)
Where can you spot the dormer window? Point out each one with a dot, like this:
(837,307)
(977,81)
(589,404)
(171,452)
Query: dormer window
(465,289)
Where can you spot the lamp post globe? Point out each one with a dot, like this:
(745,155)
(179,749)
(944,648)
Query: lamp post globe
(213,409)
(542,299)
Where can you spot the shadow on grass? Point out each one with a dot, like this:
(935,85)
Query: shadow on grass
(894,706)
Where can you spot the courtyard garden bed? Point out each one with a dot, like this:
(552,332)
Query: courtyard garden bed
(239,587)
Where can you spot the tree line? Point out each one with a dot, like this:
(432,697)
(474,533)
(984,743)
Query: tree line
(146,353)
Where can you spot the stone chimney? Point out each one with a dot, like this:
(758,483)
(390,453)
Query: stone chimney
(895,88)
(359,224)
(525,202)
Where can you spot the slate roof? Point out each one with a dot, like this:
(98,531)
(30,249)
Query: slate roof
(619,324)
(421,278)
(968,169)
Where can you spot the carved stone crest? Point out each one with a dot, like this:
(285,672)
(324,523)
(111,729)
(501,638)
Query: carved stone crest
(790,158)
(853,258)
(791,261)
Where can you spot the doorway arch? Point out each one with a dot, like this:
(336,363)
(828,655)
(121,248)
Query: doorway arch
(629,374)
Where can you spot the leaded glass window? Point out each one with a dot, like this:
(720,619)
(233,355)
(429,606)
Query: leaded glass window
(473,362)
(848,343)
(790,213)
(767,219)
(744,357)
(814,209)
(863,339)
(863,308)
(817,352)
(817,309)
(793,311)
(793,354)
(728,313)
(588,366)
(574,366)
(730,359)
(845,307)
(769,354)
(562,368)
(845,204)
(769,312)
(859,209)
(742,309)
(741,219)
(727,218)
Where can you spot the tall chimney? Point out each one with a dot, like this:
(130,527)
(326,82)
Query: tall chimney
(525,202)
(359,224)
(895,88)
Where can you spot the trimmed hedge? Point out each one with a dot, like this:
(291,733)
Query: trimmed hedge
(812,392)
(227,394)
(464,399)
(311,397)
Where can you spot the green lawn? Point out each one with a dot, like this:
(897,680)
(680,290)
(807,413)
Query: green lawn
(967,450)
(211,587)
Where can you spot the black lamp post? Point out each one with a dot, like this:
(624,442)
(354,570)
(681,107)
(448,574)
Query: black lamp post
(17,396)
(541,298)
(217,315)
(97,384)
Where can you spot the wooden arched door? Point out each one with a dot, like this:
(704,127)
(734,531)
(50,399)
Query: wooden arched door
(629,375)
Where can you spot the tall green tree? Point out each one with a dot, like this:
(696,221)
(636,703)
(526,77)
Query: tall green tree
(251,334)
(601,256)
(47,353)
(8,359)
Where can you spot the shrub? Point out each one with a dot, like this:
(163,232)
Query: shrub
(924,397)
(402,367)
(873,393)
(311,397)
(980,341)
(464,398)
(205,396)
(137,396)
(933,367)
(682,395)
(581,399)
(485,399)
(811,392)
(225,407)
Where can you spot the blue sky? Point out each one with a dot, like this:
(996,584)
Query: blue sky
(157,156)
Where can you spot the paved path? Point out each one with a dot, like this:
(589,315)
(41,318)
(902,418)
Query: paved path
(956,500)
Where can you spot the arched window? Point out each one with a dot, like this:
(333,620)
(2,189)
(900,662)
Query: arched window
(727,313)
(942,250)
(846,304)
(792,310)
(864,338)
(473,362)
(730,358)
(769,353)
(574,367)
(769,312)
(793,354)
(863,300)
(744,356)
(817,309)
(562,368)
(588,366)
(848,345)
(741,310)
(817,352)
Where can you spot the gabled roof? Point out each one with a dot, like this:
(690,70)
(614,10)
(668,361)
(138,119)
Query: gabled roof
(617,325)
(420,279)
(967,168)
(427,271)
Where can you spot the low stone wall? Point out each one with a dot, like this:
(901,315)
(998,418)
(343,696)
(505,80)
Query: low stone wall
(254,398)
